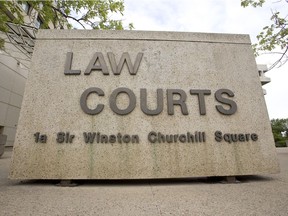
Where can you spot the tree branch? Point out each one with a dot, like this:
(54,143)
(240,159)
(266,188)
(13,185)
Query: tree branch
(67,16)
(279,60)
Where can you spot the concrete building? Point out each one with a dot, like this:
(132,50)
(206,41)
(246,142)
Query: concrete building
(14,66)
(262,69)
(12,83)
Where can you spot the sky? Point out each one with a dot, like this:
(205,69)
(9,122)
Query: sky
(216,16)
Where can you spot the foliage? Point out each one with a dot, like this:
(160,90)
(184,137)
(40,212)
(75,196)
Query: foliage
(280,131)
(254,3)
(273,35)
(93,14)
(1,43)
(281,143)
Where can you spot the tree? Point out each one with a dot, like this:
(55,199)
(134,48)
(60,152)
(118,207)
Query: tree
(280,130)
(272,36)
(93,14)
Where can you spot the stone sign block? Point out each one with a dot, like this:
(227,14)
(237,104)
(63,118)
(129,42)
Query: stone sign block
(136,104)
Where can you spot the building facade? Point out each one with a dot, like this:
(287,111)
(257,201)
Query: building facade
(14,66)
(262,69)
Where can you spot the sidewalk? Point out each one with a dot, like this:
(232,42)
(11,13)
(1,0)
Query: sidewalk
(255,195)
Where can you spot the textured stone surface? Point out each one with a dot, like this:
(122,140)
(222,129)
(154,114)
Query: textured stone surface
(255,195)
(171,61)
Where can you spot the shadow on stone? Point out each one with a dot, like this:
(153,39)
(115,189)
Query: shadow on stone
(254,178)
(144,182)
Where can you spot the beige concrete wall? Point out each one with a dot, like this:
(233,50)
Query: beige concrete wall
(171,60)
(14,67)
(12,83)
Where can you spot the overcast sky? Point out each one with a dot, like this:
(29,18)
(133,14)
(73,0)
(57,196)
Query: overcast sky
(217,16)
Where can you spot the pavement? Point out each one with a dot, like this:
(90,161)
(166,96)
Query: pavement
(254,195)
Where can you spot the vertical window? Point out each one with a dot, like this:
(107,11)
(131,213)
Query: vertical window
(25,6)
(38,22)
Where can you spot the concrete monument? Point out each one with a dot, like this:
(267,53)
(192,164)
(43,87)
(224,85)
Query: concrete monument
(133,105)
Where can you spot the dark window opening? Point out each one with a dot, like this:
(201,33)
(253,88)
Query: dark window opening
(1,129)
(39,23)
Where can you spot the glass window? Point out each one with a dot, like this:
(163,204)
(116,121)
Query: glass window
(38,22)
(25,6)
